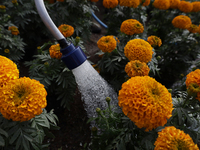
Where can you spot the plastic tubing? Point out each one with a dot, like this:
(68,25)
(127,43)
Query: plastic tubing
(98,20)
(47,20)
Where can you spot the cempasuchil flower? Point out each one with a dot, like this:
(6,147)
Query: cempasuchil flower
(161,4)
(193,83)
(154,41)
(136,68)
(110,3)
(146,102)
(131,26)
(129,3)
(22,99)
(185,6)
(145,3)
(174,4)
(14,30)
(2,7)
(196,6)
(107,43)
(182,22)
(66,30)
(54,51)
(171,138)
(138,49)
(8,71)
(193,28)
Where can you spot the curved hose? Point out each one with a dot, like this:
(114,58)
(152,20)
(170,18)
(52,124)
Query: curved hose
(98,20)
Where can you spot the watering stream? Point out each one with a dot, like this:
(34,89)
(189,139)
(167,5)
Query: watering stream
(94,89)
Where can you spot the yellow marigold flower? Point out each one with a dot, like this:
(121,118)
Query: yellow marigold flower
(196,6)
(8,71)
(154,41)
(145,3)
(193,83)
(185,6)
(136,68)
(129,3)
(22,99)
(146,102)
(193,28)
(110,3)
(66,30)
(161,4)
(7,51)
(182,22)
(94,0)
(174,4)
(2,7)
(14,30)
(14,1)
(107,43)
(131,26)
(171,138)
(54,51)
(138,49)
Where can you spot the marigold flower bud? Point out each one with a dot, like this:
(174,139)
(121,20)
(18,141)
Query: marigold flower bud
(108,99)
(98,110)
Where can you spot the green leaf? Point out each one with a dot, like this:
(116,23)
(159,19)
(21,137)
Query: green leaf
(15,136)
(3,132)
(2,141)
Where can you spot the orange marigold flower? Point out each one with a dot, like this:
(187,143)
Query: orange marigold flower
(14,1)
(66,30)
(131,26)
(171,138)
(8,71)
(174,4)
(196,6)
(22,99)
(193,83)
(193,28)
(138,49)
(14,30)
(107,43)
(136,68)
(54,51)
(145,3)
(2,7)
(185,6)
(182,22)
(146,102)
(154,41)
(161,4)
(129,3)
(110,3)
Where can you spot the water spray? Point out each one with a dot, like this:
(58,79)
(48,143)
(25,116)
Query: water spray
(94,89)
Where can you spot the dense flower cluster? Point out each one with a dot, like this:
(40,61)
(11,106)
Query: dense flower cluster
(161,4)
(14,30)
(193,28)
(145,3)
(107,43)
(129,3)
(8,71)
(131,26)
(136,68)
(146,102)
(138,49)
(54,51)
(171,138)
(110,3)
(66,30)
(185,6)
(182,22)
(174,4)
(154,41)
(196,6)
(22,99)
(193,83)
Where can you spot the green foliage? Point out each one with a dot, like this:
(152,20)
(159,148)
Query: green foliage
(29,134)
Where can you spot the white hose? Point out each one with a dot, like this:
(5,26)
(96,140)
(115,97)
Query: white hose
(47,20)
